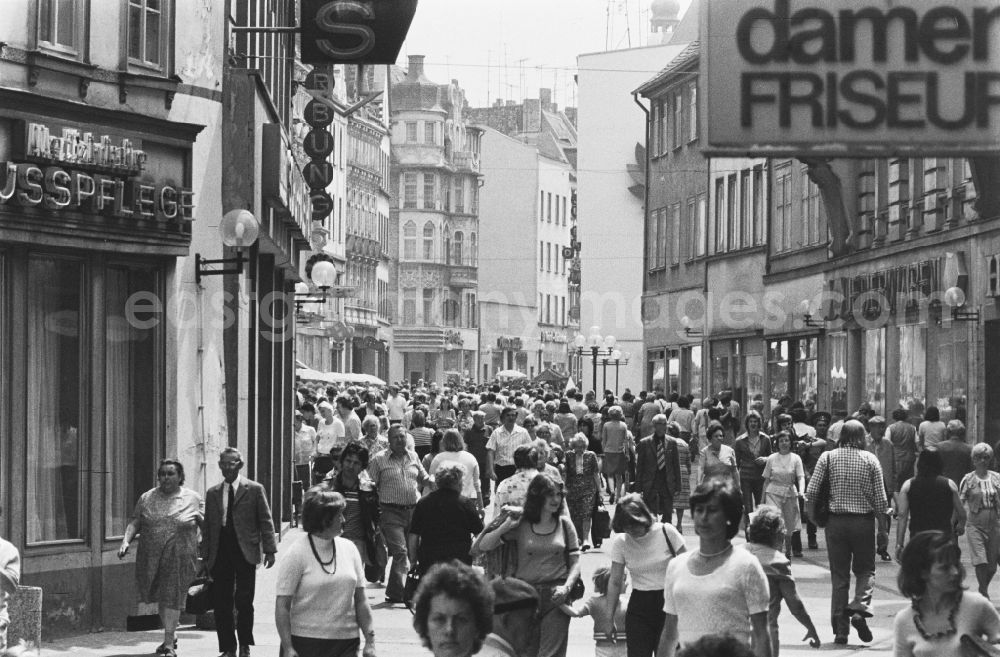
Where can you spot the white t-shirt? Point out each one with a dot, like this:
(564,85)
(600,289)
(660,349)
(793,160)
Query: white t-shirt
(322,604)
(396,407)
(646,558)
(719,602)
(328,435)
(470,480)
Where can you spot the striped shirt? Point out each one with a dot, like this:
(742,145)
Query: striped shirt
(503,443)
(856,484)
(397,478)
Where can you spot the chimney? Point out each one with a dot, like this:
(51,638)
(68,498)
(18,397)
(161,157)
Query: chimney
(416,67)
(545,96)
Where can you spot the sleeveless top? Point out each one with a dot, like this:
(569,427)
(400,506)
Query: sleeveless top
(930,504)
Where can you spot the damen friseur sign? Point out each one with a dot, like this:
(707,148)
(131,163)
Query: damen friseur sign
(851,77)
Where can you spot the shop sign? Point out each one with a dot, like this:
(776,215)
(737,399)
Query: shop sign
(553,336)
(354,31)
(842,78)
(453,338)
(319,142)
(509,344)
(36,142)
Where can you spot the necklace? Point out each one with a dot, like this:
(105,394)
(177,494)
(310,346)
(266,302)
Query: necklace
(324,564)
(714,554)
(918,620)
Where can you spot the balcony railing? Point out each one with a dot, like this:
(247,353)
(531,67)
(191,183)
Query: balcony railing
(466,160)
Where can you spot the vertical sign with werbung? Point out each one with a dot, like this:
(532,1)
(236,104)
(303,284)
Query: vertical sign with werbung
(319,142)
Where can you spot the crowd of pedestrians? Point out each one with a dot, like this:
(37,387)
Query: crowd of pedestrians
(472,507)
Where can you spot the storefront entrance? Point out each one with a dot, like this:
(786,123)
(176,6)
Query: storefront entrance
(992,378)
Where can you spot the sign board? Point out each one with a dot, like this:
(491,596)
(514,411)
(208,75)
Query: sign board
(354,31)
(834,78)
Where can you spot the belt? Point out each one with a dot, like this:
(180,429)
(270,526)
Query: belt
(404,507)
(858,515)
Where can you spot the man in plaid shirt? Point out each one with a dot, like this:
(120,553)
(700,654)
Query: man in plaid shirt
(857,496)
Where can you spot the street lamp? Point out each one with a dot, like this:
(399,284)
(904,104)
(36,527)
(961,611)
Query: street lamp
(618,358)
(238,228)
(323,276)
(599,346)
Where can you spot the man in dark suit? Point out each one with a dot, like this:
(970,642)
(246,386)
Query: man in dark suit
(238,529)
(658,470)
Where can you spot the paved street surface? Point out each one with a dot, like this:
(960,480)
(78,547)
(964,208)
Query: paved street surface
(395,635)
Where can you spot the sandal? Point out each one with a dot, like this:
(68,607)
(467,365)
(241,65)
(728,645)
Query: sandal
(162,649)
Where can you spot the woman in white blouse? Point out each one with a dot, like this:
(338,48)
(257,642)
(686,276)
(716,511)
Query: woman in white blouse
(980,492)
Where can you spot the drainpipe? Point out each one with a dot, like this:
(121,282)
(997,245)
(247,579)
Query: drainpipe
(645,217)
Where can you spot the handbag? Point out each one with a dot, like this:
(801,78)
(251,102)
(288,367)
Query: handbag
(579,588)
(410,586)
(821,505)
(199,597)
(974,646)
(501,561)
(600,527)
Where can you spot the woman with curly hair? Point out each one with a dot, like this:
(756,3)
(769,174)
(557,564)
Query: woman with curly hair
(980,492)
(453,610)
(548,557)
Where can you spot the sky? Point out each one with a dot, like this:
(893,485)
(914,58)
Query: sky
(538,40)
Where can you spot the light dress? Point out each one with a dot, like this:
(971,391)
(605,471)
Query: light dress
(167,559)
(982,530)
(783,472)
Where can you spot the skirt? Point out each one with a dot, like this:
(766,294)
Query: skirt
(789,507)
(982,532)
(614,463)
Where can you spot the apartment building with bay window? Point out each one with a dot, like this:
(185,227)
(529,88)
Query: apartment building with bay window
(434,221)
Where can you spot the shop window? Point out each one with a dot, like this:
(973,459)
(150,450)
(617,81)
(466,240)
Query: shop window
(62,26)
(873,368)
(838,374)
(656,372)
(131,392)
(147,33)
(912,368)
(952,381)
(57,451)
(692,358)
(806,372)
(778,368)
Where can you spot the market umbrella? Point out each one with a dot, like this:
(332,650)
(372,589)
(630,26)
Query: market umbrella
(511,374)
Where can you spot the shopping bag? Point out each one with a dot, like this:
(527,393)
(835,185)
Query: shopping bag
(411,586)
(199,597)
(600,525)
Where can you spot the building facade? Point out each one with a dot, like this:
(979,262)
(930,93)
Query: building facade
(857,281)
(525,218)
(611,183)
(543,139)
(435,177)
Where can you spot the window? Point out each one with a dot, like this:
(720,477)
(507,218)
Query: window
(460,196)
(429,132)
(693,112)
(61,25)
(146,32)
(457,246)
(783,208)
(548,308)
(562,310)
(720,215)
(732,231)
(409,190)
(541,206)
(541,256)
(428,306)
(651,240)
(654,129)
(541,308)
(746,210)
(430,187)
(692,220)
(838,373)
(812,210)
(411,131)
(701,226)
(758,205)
(548,256)
(912,366)
(410,241)
(409,305)
(57,440)
(428,241)
(873,368)
(564,210)
(678,120)
(675,233)
(661,146)
(548,202)
(473,250)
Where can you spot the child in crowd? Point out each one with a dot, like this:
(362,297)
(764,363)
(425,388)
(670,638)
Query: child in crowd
(766,541)
(598,606)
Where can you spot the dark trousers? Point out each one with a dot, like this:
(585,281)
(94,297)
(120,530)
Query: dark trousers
(753,494)
(644,622)
(307,647)
(504,472)
(233,588)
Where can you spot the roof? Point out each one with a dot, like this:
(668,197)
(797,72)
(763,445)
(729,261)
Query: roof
(687,56)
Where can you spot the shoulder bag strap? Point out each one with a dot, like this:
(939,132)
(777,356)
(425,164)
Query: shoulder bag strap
(673,552)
